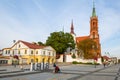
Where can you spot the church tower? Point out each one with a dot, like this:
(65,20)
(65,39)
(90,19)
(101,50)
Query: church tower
(94,30)
(72,28)
(72,31)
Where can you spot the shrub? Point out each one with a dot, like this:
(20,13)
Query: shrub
(75,62)
(73,56)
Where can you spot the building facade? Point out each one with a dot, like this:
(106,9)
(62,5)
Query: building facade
(23,52)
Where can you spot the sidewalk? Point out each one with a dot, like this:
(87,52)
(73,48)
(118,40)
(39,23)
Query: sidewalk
(71,72)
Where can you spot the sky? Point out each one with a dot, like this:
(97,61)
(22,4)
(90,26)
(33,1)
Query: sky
(34,20)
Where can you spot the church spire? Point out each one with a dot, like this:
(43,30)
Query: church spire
(93,12)
(72,28)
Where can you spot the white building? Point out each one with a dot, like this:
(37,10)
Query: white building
(23,52)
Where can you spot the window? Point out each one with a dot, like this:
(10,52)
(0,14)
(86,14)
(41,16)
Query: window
(49,54)
(43,52)
(94,26)
(36,52)
(32,52)
(6,52)
(25,51)
(19,52)
(13,52)
(19,45)
(53,53)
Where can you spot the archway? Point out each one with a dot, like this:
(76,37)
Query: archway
(52,60)
(32,60)
(48,60)
(37,60)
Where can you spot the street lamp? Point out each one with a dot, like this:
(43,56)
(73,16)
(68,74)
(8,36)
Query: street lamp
(14,61)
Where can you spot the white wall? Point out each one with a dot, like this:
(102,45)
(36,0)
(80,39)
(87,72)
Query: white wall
(70,59)
(60,59)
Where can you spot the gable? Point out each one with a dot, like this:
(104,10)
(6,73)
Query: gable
(19,45)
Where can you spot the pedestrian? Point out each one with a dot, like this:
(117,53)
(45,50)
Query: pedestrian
(56,68)
(54,64)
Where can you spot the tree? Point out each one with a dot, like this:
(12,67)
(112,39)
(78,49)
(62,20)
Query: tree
(60,41)
(40,43)
(87,46)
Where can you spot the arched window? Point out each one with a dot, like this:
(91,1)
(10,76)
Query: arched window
(93,35)
(94,25)
(36,59)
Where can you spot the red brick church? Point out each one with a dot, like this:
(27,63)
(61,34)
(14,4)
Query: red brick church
(93,32)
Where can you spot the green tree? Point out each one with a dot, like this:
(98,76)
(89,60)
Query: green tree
(87,46)
(60,41)
(40,43)
(102,59)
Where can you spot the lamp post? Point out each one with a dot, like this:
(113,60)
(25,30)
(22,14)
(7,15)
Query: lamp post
(14,61)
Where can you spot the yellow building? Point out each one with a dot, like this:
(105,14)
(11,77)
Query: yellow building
(23,52)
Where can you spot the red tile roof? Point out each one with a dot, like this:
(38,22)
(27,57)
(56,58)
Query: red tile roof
(78,39)
(106,57)
(31,45)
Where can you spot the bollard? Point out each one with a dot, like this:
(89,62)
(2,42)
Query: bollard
(35,66)
(31,67)
(42,66)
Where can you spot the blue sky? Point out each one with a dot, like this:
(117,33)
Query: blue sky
(34,20)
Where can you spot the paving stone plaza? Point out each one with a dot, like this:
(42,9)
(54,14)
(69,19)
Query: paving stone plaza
(68,72)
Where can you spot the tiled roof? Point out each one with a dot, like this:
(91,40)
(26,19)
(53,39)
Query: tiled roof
(31,45)
(106,57)
(78,39)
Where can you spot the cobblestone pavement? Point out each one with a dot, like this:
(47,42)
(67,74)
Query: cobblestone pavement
(73,72)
